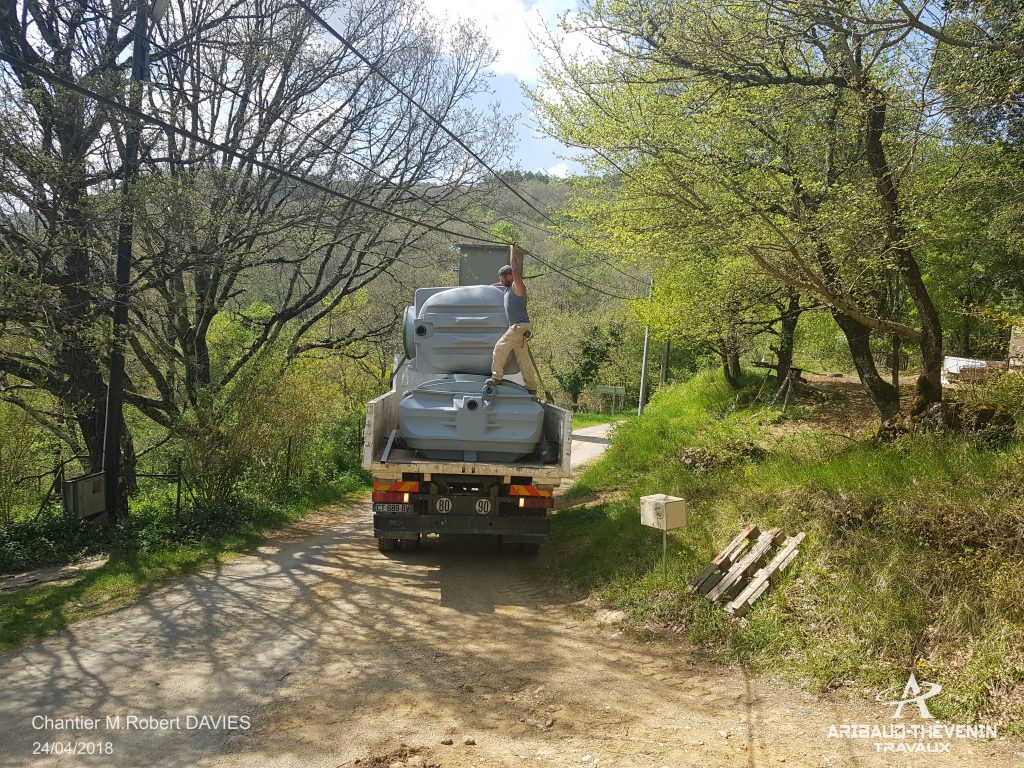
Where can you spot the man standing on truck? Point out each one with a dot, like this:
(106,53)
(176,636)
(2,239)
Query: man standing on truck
(515,340)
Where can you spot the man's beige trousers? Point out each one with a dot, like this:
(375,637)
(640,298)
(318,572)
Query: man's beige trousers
(514,341)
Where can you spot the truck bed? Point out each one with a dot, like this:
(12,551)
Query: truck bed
(382,418)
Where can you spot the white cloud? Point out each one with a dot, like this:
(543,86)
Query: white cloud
(561,170)
(508,24)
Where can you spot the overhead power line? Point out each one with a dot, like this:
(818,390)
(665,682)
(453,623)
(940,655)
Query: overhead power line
(472,225)
(412,100)
(14,61)
(70,85)
(440,124)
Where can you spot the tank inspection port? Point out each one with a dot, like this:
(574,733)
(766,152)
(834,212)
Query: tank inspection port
(472,405)
(421,330)
(488,390)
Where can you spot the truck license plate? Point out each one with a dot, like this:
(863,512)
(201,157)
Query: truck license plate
(393,509)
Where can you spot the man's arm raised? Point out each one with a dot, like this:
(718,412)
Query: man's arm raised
(516,260)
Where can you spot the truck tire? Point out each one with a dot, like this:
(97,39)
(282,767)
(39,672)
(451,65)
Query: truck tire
(387,545)
(409,544)
(530,548)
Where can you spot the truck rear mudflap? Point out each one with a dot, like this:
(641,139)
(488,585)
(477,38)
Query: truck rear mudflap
(512,528)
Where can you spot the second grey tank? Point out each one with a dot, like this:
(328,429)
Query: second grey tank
(450,419)
(454,330)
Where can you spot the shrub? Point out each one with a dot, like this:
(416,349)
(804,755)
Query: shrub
(21,445)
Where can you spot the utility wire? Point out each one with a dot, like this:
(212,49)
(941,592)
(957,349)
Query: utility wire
(309,135)
(412,100)
(436,121)
(53,79)
(143,117)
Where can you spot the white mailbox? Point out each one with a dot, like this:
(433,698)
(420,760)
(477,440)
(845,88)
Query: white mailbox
(663,512)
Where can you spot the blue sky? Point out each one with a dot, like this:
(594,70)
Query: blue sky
(509,24)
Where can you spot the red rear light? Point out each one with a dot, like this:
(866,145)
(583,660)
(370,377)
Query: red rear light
(390,497)
(536,502)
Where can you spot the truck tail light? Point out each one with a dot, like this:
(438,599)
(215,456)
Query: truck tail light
(390,497)
(536,502)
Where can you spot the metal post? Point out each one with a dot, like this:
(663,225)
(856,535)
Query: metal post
(115,389)
(177,498)
(643,365)
(664,554)
(643,373)
(288,463)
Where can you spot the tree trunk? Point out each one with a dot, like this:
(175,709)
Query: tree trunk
(885,397)
(728,371)
(898,246)
(74,346)
(787,337)
(895,351)
(734,368)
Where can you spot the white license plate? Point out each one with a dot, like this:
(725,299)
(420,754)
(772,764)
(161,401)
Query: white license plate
(392,509)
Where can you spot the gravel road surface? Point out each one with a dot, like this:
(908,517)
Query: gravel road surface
(317,650)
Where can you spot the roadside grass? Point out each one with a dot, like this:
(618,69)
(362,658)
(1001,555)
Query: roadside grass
(913,557)
(581,419)
(158,549)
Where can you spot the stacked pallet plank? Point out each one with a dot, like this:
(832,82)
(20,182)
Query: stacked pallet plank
(746,569)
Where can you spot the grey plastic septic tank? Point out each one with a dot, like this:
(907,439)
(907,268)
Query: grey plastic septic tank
(453,330)
(450,419)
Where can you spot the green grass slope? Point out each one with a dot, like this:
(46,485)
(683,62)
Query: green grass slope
(914,556)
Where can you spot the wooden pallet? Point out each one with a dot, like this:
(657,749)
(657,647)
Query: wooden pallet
(711,575)
(739,576)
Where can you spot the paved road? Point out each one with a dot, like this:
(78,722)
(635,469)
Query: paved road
(317,650)
(589,443)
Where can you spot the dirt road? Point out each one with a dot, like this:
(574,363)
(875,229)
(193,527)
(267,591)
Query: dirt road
(328,653)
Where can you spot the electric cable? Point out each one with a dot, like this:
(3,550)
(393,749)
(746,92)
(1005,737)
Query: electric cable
(412,100)
(154,121)
(53,79)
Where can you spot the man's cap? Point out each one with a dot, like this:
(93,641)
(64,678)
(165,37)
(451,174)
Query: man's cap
(505,270)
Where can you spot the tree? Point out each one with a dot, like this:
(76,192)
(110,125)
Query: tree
(220,230)
(772,129)
(585,362)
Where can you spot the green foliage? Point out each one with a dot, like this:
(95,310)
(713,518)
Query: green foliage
(585,362)
(820,344)
(22,447)
(1006,391)
(912,555)
(506,232)
(29,542)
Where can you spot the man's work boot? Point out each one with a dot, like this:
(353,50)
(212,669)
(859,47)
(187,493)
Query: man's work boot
(532,392)
(493,382)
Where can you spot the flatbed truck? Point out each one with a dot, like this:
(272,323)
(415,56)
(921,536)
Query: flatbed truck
(416,497)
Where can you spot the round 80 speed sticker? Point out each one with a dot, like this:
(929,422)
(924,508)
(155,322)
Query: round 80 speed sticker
(443,505)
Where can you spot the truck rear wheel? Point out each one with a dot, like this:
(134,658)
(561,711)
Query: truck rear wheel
(530,547)
(387,545)
(410,544)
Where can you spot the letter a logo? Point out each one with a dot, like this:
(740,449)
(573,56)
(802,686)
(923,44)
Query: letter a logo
(912,694)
